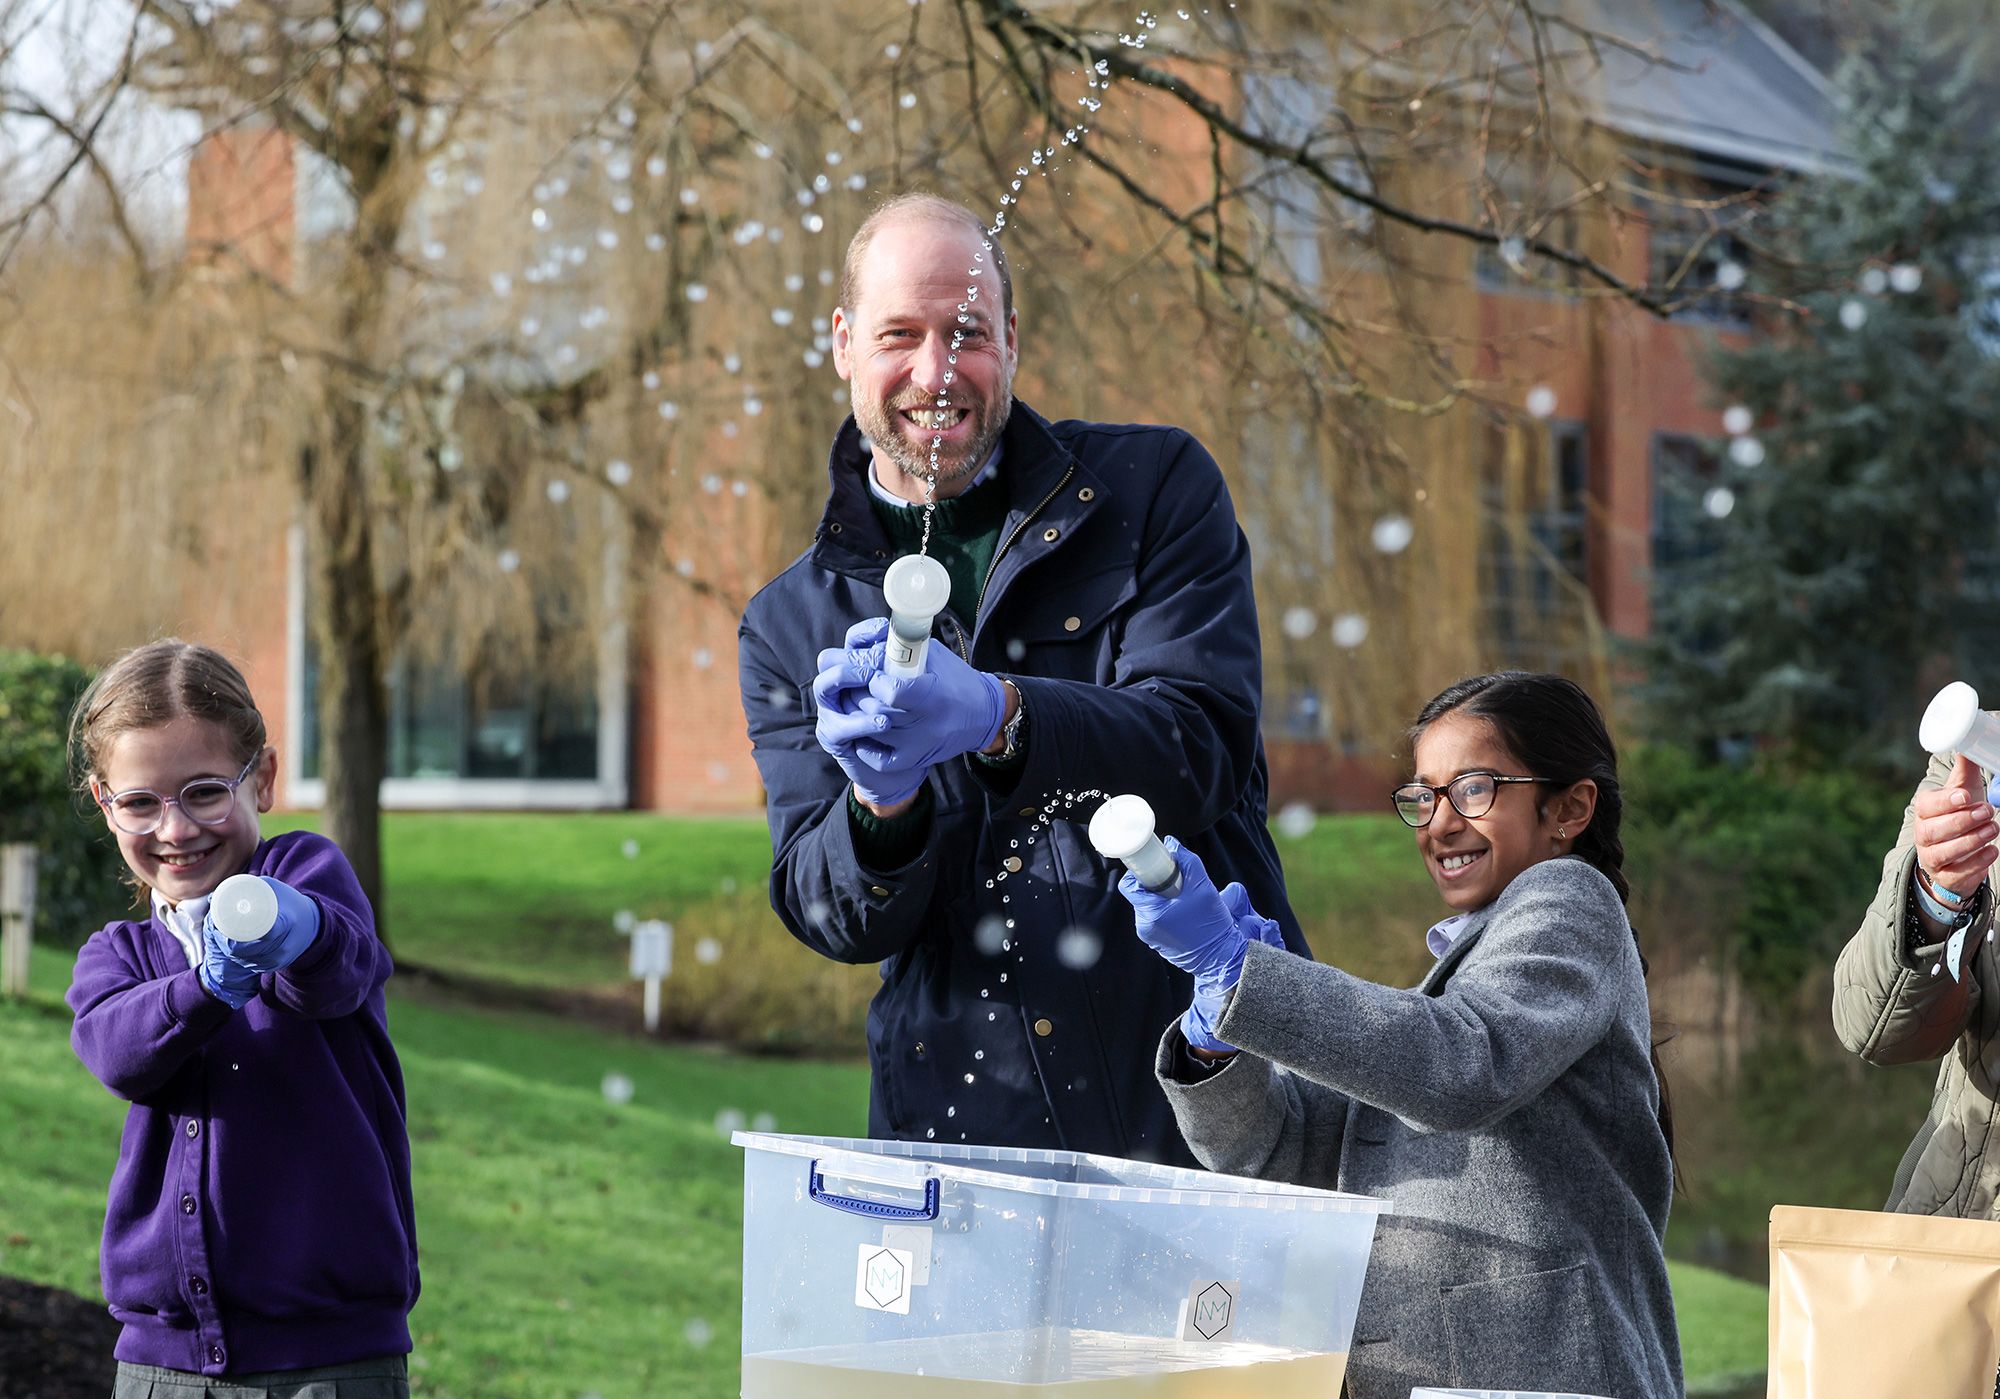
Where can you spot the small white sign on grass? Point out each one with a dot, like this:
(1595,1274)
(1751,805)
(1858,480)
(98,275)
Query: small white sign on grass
(652,960)
(18,863)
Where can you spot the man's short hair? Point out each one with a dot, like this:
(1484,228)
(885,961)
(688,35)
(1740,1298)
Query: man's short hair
(919,208)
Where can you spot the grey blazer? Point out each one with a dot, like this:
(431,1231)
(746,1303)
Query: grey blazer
(1507,1106)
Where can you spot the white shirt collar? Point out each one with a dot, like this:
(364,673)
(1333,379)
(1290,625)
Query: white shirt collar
(986,473)
(1441,937)
(184,921)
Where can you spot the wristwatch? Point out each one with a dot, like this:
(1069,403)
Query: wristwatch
(1011,730)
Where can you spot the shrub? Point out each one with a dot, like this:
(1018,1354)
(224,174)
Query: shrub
(1781,863)
(78,885)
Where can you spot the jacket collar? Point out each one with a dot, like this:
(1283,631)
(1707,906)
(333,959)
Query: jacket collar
(851,540)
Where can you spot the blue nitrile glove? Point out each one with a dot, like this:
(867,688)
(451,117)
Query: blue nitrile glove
(225,978)
(1254,924)
(290,936)
(948,711)
(840,691)
(1203,932)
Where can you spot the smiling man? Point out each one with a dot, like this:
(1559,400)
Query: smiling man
(1101,635)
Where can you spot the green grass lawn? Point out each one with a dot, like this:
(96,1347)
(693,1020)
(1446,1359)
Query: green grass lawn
(569,1245)
(528,900)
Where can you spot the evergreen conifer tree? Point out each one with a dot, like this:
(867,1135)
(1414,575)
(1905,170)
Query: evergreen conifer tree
(1846,554)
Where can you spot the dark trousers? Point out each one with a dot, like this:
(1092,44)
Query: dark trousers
(386,1377)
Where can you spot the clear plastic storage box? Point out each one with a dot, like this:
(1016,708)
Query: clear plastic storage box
(884,1269)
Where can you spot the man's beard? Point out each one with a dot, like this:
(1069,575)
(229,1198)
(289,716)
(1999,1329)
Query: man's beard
(882,426)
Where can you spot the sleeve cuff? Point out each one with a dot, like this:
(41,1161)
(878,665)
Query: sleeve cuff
(893,842)
(189,1003)
(1188,1067)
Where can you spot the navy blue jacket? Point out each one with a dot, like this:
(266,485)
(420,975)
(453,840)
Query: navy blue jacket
(1119,602)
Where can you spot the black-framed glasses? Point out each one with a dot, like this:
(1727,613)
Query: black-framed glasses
(206,801)
(1471,795)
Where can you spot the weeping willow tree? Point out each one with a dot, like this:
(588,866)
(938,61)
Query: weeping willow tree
(452,317)
(1337,190)
(545,339)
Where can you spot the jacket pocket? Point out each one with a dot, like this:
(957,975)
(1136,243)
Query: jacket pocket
(1533,1331)
(1062,628)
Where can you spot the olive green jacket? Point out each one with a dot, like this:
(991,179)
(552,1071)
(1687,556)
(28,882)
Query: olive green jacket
(1895,1004)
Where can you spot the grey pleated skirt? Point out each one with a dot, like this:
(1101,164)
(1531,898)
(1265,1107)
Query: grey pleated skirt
(387,1377)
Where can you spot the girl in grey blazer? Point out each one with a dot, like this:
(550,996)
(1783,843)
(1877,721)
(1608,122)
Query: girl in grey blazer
(1510,1105)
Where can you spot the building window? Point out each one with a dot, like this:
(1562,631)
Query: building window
(1694,245)
(1524,205)
(489,733)
(1295,212)
(1535,551)
(490,724)
(1689,504)
(1685,471)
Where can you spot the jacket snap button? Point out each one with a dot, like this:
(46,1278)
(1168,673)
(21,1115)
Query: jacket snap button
(198,1286)
(192,1129)
(878,891)
(1045,1027)
(215,1355)
(1086,494)
(1013,864)
(187,1204)
(1072,623)
(834,528)
(920,1049)
(1050,535)
(1028,811)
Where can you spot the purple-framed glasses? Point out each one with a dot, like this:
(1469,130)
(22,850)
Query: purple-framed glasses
(206,801)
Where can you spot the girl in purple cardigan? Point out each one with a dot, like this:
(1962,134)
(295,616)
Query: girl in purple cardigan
(259,1229)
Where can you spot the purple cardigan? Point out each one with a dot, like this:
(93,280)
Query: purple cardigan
(260,1214)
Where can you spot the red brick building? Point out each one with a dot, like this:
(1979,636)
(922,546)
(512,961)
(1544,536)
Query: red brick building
(1627,418)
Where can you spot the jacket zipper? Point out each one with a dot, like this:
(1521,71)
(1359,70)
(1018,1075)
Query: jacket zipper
(964,640)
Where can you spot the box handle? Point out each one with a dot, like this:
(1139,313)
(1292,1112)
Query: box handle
(871,1209)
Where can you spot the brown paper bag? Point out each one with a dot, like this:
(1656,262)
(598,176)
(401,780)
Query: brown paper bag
(1882,1306)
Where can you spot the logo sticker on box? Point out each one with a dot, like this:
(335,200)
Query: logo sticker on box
(883,1278)
(915,1239)
(1209,1312)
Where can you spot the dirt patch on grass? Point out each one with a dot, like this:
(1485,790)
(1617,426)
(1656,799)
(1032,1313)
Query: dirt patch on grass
(54,1344)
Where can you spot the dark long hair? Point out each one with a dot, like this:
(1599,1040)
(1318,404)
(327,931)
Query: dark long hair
(1555,729)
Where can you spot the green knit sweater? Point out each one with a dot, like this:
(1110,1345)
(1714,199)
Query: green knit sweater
(964,535)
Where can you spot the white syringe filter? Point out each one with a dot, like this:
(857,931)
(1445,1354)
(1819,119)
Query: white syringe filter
(1954,723)
(243,908)
(917,587)
(1122,829)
